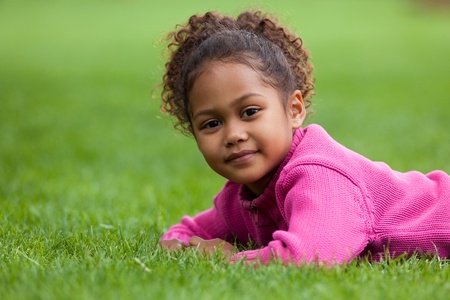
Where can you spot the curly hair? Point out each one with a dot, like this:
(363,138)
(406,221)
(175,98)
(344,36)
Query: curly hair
(253,38)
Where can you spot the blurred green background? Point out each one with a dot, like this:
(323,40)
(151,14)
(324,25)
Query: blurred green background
(79,125)
(88,164)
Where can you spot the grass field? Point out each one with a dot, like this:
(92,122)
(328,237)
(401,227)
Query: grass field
(91,174)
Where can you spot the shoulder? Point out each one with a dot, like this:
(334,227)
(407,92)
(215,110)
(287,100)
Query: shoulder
(321,170)
(317,147)
(317,152)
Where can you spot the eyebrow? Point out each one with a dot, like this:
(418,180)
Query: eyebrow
(232,103)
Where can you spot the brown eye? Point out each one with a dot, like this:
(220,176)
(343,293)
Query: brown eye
(249,112)
(211,124)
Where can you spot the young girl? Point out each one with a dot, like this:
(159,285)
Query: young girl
(242,88)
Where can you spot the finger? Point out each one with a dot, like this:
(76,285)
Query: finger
(229,248)
(172,244)
(195,241)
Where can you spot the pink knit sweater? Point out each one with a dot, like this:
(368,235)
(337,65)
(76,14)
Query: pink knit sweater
(327,203)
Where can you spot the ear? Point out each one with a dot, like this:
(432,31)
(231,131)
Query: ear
(296,109)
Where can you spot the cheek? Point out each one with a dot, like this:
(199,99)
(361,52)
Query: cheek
(206,149)
(275,127)
(210,155)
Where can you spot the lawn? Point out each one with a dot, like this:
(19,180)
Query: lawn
(91,173)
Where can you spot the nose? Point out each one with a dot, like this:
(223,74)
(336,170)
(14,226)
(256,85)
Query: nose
(235,134)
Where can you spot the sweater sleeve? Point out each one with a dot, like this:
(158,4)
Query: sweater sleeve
(207,225)
(328,221)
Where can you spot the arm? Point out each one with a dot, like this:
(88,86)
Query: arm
(328,221)
(206,225)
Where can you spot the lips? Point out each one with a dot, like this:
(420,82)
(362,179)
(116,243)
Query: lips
(240,155)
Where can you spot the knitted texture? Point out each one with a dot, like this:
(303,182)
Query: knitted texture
(327,203)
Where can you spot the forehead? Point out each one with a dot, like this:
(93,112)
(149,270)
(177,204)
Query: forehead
(221,87)
(225,79)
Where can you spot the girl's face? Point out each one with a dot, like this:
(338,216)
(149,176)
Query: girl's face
(241,125)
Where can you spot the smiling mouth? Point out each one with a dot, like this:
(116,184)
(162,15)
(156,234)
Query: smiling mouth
(241,155)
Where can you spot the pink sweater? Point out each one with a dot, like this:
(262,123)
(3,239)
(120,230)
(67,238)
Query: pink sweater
(327,203)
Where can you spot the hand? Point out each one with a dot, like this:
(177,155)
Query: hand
(172,245)
(208,247)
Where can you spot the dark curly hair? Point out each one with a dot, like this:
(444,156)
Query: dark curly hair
(253,38)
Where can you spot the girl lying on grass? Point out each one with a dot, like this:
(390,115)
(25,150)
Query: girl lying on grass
(242,88)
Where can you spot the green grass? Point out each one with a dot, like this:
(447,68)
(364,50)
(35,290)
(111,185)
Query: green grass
(91,174)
